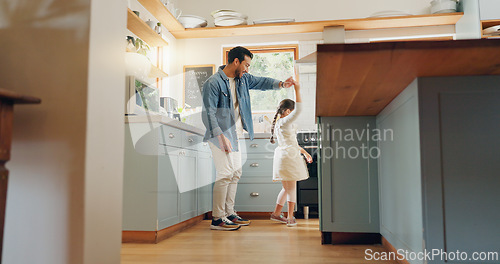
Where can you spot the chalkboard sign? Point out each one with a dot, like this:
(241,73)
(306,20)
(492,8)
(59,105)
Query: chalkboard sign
(194,78)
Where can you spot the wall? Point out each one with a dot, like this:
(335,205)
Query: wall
(304,10)
(58,158)
(104,146)
(399,173)
(469,27)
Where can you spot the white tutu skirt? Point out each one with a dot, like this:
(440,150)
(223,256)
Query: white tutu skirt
(289,165)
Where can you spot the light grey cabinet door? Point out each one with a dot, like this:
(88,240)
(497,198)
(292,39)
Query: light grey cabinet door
(348,176)
(168,190)
(460,164)
(186,178)
(204,182)
(140,180)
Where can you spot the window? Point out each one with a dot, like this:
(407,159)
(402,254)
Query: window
(275,62)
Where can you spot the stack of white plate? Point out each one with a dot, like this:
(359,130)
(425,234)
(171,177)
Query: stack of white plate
(226,18)
(443,6)
(190,21)
(492,31)
(388,13)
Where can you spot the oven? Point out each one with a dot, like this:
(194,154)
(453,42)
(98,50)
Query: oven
(307,190)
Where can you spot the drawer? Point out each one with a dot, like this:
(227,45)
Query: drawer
(204,147)
(170,136)
(255,197)
(258,165)
(191,140)
(258,146)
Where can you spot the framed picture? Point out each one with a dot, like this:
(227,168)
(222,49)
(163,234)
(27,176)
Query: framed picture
(194,78)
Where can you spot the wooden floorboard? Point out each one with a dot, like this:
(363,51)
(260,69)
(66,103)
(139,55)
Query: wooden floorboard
(263,241)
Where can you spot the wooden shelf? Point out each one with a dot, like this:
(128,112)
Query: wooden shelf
(362,79)
(143,31)
(157,73)
(160,11)
(317,26)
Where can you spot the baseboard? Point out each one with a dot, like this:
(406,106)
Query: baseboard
(255,215)
(153,237)
(391,248)
(349,238)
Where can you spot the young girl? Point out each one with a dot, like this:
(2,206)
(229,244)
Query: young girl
(289,166)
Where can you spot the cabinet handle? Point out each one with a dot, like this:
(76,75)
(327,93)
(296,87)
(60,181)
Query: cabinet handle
(171,135)
(254,145)
(182,153)
(254,165)
(254,194)
(163,144)
(190,140)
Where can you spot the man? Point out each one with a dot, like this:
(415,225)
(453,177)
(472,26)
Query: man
(226,113)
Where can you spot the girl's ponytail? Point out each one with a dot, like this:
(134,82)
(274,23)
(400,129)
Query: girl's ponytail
(272,127)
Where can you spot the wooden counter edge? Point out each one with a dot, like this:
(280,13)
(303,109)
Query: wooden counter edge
(18,98)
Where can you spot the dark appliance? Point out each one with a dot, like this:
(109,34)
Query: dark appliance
(307,190)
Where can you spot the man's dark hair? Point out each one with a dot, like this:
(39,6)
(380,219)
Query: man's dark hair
(238,52)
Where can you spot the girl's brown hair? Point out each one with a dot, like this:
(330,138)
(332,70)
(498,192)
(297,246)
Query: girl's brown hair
(284,105)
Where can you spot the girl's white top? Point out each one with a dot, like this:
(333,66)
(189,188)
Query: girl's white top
(288,165)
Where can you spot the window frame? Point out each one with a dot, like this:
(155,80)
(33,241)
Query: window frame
(294,48)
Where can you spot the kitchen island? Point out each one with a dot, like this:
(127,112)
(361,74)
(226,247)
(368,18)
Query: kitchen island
(409,133)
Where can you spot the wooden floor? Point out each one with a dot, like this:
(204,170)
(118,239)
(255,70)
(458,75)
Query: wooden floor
(263,241)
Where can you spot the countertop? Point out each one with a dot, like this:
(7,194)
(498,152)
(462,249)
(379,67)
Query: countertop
(180,125)
(164,120)
(362,79)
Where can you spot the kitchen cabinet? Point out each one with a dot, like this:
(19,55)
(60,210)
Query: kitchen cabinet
(256,190)
(168,176)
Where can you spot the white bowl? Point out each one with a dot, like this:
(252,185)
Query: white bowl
(191,21)
(443,6)
(230,21)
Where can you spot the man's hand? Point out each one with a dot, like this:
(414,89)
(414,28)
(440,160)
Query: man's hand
(224,143)
(288,83)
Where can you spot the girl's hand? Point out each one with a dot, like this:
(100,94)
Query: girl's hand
(309,159)
(296,84)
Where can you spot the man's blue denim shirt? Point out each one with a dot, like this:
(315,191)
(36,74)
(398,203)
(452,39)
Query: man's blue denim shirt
(218,108)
